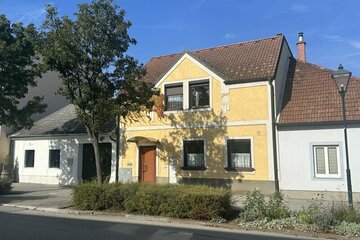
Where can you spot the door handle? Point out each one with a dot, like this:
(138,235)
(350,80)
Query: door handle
(145,168)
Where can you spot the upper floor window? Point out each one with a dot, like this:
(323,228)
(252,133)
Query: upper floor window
(327,162)
(199,96)
(174,97)
(54,157)
(29,158)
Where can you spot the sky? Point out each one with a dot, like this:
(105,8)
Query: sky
(331,27)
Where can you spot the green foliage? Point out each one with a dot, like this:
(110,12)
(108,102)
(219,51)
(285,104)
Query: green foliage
(348,229)
(89,196)
(257,208)
(89,52)
(18,69)
(345,213)
(180,201)
(5,186)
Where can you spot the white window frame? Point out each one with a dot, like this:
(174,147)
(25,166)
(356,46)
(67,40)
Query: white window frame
(183,153)
(226,160)
(327,175)
(186,96)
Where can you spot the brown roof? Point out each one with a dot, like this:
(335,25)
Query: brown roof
(311,96)
(246,61)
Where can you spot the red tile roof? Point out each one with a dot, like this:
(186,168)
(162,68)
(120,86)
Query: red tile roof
(246,61)
(311,96)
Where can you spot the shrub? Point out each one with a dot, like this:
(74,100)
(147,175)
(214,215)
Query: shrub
(5,186)
(181,201)
(89,196)
(276,207)
(257,208)
(348,229)
(116,194)
(345,213)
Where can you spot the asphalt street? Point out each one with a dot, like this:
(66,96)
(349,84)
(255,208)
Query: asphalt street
(25,224)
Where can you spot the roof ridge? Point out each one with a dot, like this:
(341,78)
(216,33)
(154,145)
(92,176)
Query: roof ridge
(220,46)
(239,43)
(322,67)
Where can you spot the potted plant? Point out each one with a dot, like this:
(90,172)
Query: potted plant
(5,172)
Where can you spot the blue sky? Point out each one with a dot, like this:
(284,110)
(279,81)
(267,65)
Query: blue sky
(331,28)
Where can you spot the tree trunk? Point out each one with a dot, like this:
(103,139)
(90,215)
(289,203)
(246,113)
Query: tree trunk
(94,136)
(96,145)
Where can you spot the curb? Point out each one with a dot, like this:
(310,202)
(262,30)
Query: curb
(43,209)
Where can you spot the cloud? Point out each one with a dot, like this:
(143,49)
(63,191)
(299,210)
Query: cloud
(299,8)
(31,15)
(230,35)
(340,39)
(352,54)
(335,38)
(355,44)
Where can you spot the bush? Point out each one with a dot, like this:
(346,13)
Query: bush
(257,208)
(345,213)
(181,201)
(89,196)
(5,186)
(348,229)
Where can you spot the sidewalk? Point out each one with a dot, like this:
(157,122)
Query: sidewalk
(38,195)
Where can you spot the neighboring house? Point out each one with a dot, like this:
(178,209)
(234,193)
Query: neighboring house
(46,87)
(311,135)
(57,150)
(217,125)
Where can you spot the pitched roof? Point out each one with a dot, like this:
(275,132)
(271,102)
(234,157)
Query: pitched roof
(311,96)
(61,122)
(238,62)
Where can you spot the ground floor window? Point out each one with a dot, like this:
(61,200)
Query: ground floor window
(327,161)
(193,151)
(29,158)
(54,158)
(239,155)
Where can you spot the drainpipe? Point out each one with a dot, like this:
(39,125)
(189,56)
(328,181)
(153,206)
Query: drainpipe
(273,121)
(117,132)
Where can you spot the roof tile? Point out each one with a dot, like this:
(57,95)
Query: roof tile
(311,96)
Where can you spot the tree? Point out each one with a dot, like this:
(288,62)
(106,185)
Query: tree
(97,75)
(19,66)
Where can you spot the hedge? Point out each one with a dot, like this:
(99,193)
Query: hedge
(180,201)
(5,186)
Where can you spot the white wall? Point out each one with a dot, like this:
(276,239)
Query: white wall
(70,171)
(297,163)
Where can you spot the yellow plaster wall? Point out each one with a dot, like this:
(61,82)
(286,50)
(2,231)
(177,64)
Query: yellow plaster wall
(246,104)
(186,70)
(170,146)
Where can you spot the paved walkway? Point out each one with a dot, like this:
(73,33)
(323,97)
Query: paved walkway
(38,195)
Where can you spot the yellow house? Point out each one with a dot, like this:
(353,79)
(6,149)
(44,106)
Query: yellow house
(217,127)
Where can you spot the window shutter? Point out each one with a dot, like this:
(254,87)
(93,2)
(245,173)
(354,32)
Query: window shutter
(320,160)
(332,157)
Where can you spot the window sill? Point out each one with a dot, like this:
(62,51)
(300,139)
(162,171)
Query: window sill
(193,168)
(207,109)
(327,176)
(240,169)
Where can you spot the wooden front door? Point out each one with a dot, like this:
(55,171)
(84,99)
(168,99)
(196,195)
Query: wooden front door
(147,164)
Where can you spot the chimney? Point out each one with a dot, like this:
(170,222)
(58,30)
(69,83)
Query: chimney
(301,48)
